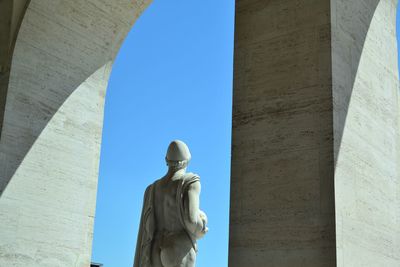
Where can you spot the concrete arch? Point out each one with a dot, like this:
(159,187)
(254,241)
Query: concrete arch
(50,143)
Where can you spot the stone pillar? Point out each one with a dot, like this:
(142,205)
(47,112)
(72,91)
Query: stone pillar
(51,134)
(295,155)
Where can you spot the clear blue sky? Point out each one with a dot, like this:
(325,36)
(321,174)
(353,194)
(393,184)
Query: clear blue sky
(172,80)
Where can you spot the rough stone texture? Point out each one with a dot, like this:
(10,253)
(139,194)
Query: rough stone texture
(316,100)
(282,204)
(367,132)
(294,60)
(49,148)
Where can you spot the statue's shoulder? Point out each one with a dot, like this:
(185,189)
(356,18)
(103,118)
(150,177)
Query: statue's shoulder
(191,177)
(148,193)
(153,185)
(191,180)
(149,188)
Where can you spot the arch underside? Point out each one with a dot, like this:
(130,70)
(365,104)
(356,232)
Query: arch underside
(50,142)
(316,131)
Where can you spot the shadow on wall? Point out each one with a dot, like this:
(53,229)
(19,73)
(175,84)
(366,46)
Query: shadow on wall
(56,182)
(5,29)
(11,14)
(351,21)
(60,45)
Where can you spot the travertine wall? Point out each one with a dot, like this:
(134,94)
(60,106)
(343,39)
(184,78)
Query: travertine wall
(366,100)
(50,142)
(294,157)
(282,205)
(316,123)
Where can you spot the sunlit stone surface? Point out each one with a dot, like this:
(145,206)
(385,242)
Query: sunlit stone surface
(315,138)
(50,140)
(367,133)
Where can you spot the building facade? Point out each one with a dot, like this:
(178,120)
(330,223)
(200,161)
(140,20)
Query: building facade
(315,137)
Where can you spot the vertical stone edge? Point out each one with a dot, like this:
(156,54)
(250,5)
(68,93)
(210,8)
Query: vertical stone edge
(282,192)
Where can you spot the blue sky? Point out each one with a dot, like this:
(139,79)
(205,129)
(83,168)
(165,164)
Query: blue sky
(172,79)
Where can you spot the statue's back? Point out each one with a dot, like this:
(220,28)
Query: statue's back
(171,247)
(166,209)
(167,231)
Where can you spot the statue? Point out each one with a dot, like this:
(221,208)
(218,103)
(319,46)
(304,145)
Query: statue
(171,220)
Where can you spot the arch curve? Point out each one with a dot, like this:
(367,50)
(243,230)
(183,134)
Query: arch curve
(53,116)
(60,68)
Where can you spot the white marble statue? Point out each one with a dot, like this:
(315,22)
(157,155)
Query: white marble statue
(171,220)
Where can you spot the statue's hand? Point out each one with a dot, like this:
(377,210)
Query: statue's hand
(204,219)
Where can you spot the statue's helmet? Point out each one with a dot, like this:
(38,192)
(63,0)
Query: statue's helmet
(178,151)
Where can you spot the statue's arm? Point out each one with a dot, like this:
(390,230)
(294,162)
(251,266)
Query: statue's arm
(196,222)
(138,251)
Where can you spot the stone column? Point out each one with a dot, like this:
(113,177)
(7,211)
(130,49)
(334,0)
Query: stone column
(51,134)
(297,64)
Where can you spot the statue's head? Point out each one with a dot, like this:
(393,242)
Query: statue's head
(178,155)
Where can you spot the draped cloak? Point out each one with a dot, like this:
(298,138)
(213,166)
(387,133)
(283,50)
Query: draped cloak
(147,225)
